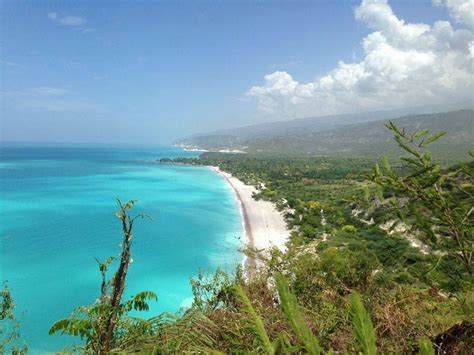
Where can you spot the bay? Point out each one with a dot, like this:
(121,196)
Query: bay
(57,205)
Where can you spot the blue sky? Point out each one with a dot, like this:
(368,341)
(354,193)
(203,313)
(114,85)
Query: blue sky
(151,71)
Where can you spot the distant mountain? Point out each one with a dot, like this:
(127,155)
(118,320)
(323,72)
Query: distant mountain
(373,139)
(311,124)
(225,137)
(332,135)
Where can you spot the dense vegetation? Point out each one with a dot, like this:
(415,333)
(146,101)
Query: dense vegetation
(402,236)
(379,260)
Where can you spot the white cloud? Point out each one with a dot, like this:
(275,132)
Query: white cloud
(405,64)
(72,21)
(461,11)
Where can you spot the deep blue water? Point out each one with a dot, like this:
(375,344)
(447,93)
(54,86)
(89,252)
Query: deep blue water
(57,207)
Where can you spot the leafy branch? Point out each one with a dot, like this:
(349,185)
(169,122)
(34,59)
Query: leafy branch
(439,201)
(104,322)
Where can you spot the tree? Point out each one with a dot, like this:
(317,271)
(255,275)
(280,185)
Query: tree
(106,323)
(439,201)
(8,324)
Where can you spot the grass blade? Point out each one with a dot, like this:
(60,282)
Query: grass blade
(292,312)
(257,323)
(363,328)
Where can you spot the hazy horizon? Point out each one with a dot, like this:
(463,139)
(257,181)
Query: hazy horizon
(150,72)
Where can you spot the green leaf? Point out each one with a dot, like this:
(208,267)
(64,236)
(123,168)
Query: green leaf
(386,164)
(425,347)
(406,147)
(282,344)
(411,161)
(292,312)
(74,327)
(391,126)
(257,323)
(420,133)
(433,138)
(377,171)
(363,328)
(140,300)
(379,192)
(130,204)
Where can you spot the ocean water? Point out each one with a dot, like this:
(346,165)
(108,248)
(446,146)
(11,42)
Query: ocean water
(57,207)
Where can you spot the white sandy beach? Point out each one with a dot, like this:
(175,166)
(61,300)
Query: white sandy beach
(265,226)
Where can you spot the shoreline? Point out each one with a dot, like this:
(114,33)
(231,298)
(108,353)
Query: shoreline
(264,226)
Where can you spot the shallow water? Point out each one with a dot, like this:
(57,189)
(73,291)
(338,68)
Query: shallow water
(57,207)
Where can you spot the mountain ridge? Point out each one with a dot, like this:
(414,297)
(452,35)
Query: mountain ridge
(312,136)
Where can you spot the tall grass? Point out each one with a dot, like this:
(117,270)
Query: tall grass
(257,324)
(363,328)
(290,308)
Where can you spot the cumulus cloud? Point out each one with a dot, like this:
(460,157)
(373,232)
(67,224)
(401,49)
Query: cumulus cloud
(53,15)
(460,10)
(405,64)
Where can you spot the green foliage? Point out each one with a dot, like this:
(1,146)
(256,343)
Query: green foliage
(349,229)
(210,293)
(290,308)
(89,322)
(9,326)
(106,324)
(256,322)
(437,202)
(363,328)
(425,347)
(139,302)
(6,305)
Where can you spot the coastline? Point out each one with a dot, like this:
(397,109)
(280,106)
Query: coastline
(264,225)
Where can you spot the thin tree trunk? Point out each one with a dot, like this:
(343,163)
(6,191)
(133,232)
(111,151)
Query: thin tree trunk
(119,281)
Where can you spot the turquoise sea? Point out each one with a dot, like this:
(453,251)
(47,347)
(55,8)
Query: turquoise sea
(57,205)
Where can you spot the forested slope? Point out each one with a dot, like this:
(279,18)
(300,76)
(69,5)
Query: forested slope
(350,140)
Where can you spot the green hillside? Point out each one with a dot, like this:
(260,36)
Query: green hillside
(359,139)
